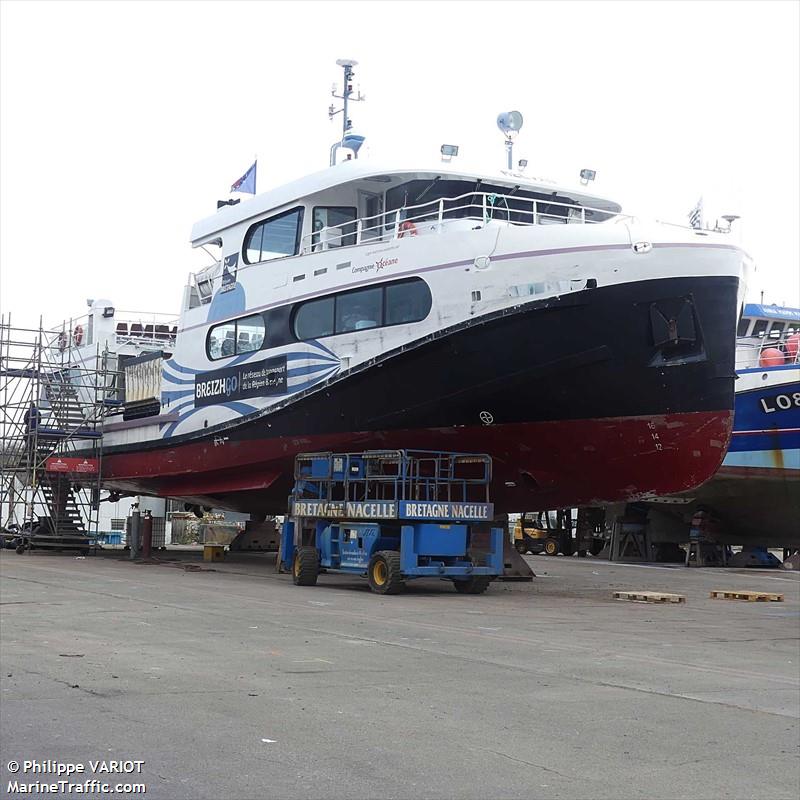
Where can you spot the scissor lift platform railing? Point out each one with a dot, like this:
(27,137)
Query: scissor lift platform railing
(392,516)
(393,475)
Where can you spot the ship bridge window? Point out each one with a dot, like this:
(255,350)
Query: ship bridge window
(396,303)
(760,328)
(506,203)
(235,337)
(342,219)
(776,330)
(276,237)
(744,324)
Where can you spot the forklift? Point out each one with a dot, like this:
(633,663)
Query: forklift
(535,532)
(392,516)
(554,532)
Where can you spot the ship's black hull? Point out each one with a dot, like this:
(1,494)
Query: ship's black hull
(652,360)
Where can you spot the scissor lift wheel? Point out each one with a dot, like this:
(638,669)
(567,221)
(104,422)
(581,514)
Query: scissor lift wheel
(305,567)
(384,574)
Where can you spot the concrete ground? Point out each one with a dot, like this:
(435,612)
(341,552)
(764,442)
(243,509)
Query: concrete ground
(234,683)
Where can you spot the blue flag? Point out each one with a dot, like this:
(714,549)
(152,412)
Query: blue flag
(247,183)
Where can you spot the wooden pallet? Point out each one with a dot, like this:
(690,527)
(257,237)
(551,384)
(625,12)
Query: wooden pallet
(650,597)
(758,597)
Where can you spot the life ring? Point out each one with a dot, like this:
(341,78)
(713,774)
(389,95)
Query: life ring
(62,341)
(407,227)
(77,335)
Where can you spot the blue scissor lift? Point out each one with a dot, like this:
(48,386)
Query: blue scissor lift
(390,516)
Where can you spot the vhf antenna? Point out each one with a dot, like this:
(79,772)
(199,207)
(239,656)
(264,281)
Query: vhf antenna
(349,140)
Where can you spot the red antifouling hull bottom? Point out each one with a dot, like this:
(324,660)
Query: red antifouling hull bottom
(536,465)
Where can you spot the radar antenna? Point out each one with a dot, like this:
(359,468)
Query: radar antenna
(349,140)
(509,123)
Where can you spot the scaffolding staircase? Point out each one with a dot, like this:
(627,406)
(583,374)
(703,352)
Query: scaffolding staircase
(54,401)
(64,508)
(62,398)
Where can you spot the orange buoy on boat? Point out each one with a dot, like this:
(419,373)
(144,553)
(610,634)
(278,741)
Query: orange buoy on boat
(771,357)
(792,347)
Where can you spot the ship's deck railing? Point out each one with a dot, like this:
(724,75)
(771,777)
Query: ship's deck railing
(465,212)
(750,349)
(146,317)
(136,327)
(131,327)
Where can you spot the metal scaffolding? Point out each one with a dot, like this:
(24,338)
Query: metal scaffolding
(54,398)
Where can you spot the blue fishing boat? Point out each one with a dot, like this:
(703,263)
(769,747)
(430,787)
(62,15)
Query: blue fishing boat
(755,495)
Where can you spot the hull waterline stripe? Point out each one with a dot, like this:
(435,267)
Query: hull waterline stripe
(767,430)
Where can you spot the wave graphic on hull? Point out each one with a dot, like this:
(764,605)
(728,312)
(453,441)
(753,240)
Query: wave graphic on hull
(304,369)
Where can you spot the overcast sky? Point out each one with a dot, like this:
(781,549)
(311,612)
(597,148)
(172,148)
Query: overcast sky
(122,123)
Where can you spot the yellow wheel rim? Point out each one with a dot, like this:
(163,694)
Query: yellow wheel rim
(379,573)
(551,548)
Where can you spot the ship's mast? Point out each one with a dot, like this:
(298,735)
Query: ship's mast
(349,140)
(509,123)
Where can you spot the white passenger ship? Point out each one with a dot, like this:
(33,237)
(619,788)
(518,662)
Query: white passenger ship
(366,306)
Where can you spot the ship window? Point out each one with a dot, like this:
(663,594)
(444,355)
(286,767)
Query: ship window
(341,217)
(506,203)
(357,311)
(760,328)
(249,334)
(397,303)
(222,340)
(314,319)
(409,301)
(744,324)
(237,336)
(776,330)
(275,237)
